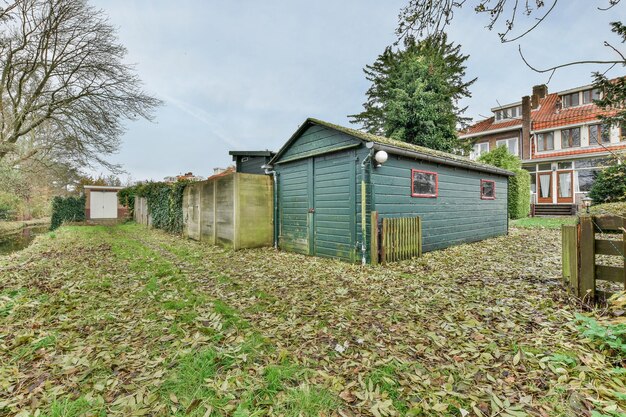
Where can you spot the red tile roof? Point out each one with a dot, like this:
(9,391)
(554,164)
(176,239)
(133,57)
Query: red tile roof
(488,125)
(547,117)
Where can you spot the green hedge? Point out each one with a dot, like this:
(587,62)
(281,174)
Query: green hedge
(610,185)
(519,194)
(165,203)
(67,209)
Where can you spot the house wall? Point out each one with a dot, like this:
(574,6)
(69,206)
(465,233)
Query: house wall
(457,215)
(493,138)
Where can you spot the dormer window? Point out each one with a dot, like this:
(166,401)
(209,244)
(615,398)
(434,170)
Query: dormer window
(508,113)
(570,100)
(590,95)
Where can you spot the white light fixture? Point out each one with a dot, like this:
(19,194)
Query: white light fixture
(587,203)
(381,157)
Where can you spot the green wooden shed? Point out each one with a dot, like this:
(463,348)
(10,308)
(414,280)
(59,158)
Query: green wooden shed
(329,179)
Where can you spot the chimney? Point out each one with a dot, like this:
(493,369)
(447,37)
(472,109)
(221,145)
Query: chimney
(539,92)
(526,125)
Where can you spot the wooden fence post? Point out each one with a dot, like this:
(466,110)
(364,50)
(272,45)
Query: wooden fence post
(587,279)
(565,258)
(374,239)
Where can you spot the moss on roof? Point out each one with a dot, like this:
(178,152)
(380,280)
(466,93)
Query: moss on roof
(419,150)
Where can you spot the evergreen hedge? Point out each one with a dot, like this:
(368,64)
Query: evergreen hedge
(165,203)
(610,185)
(67,209)
(519,194)
(519,185)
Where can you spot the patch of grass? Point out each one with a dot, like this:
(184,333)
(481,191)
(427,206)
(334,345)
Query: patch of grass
(277,377)
(385,377)
(543,222)
(307,401)
(188,384)
(73,408)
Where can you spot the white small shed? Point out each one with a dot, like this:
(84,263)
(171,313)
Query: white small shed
(101,203)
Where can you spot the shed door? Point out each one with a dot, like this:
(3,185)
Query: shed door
(294,205)
(334,209)
(103,205)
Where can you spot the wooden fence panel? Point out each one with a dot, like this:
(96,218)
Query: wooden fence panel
(580,247)
(401,238)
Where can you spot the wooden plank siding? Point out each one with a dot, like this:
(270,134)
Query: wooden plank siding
(457,215)
(333,191)
(318,140)
(293,203)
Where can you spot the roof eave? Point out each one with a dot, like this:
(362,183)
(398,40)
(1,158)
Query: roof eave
(441,160)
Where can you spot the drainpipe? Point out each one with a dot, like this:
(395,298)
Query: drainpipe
(366,160)
(269,170)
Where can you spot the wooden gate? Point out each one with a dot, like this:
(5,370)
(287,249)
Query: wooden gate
(400,239)
(580,247)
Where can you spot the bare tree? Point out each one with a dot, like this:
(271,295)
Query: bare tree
(64,86)
(432,16)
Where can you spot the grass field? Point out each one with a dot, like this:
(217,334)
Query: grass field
(543,222)
(129,321)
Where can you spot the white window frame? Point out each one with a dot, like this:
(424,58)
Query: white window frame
(506,142)
(477,149)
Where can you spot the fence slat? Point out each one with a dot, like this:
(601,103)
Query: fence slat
(610,273)
(374,238)
(587,258)
(608,223)
(401,238)
(609,247)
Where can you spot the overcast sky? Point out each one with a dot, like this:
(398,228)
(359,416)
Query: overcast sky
(243,75)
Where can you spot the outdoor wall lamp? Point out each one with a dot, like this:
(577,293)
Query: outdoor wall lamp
(587,203)
(380,157)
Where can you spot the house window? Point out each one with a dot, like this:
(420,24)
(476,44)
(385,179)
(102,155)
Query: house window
(586,178)
(487,190)
(564,165)
(544,167)
(570,100)
(590,95)
(479,149)
(498,115)
(599,134)
(570,138)
(424,183)
(545,141)
(533,182)
(510,144)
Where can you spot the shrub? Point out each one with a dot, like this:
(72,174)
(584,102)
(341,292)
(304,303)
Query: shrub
(10,206)
(67,209)
(165,203)
(519,185)
(519,194)
(610,185)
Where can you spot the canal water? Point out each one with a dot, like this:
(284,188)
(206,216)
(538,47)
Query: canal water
(17,241)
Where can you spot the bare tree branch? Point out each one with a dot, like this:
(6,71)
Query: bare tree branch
(64,82)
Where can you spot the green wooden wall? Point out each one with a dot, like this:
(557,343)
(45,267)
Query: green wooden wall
(317,140)
(321,170)
(457,215)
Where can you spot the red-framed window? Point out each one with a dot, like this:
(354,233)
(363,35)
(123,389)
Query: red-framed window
(424,184)
(487,190)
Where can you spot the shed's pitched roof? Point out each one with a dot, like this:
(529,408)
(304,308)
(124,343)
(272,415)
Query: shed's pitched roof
(419,152)
(252,153)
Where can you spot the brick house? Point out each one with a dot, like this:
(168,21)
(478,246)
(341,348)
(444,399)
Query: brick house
(560,140)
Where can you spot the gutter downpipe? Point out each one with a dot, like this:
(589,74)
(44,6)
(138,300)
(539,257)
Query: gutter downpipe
(269,170)
(367,159)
